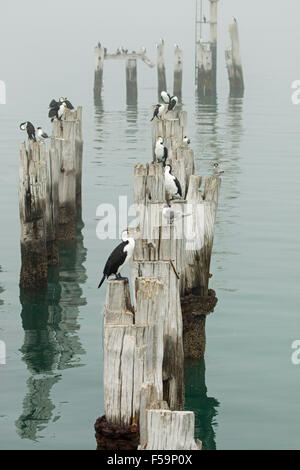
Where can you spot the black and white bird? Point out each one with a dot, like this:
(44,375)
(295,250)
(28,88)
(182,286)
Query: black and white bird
(165,97)
(158,112)
(41,135)
(57,110)
(217,169)
(186,140)
(172,184)
(161,152)
(173,103)
(29,127)
(171,214)
(121,255)
(68,103)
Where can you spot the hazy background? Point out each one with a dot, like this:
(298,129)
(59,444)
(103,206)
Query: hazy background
(51,389)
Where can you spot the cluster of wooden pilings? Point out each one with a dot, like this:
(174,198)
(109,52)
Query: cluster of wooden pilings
(147,337)
(206,55)
(49,197)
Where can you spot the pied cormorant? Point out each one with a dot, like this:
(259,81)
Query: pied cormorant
(29,127)
(172,184)
(119,258)
(158,111)
(161,152)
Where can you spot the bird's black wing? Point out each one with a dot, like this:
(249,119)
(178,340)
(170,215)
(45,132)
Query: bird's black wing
(54,104)
(115,260)
(69,104)
(172,104)
(155,112)
(31,131)
(53,112)
(179,190)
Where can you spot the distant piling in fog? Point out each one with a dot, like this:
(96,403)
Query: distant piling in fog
(178,70)
(49,197)
(161,69)
(234,62)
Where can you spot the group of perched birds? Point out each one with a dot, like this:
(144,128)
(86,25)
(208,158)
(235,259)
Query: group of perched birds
(56,110)
(169,103)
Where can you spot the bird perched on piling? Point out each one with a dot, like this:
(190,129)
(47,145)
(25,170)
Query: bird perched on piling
(161,152)
(158,111)
(186,140)
(172,184)
(57,110)
(217,169)
(29,127)
(171,101)
(41,135)
(171,214)
(119,257)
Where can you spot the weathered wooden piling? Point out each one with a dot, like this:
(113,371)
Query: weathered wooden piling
(173,373)
(167,430)
(32,204)
(98,80)
(131,80)
(66,147)
(178,68)
(133,351)
(234,62)
(204,70)
(161,69)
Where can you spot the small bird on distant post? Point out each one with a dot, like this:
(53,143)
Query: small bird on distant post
(41,135)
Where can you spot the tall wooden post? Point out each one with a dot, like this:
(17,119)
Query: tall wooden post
(234,62)
(205,79)
(178,65)
(161,70)
(99,63)
(131,81)
(32,204)
(213,39)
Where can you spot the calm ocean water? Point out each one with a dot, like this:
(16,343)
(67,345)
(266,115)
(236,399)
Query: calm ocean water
(246,393)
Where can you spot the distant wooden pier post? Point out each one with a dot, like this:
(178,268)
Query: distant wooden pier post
(161,69)
(234,62)
(213,40)
(98,80)
(178,68)
(131,81)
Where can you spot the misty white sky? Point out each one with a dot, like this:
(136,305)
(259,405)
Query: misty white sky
(53,40)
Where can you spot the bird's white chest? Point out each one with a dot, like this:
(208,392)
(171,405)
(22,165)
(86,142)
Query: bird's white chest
(159,151)
(61,111)
(170,184)
(129,249)
(161,110)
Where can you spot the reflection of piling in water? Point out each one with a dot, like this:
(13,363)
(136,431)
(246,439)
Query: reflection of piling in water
(204,407)
(234,62)
(51,343)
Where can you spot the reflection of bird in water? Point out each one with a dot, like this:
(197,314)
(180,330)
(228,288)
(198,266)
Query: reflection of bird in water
(217,169)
